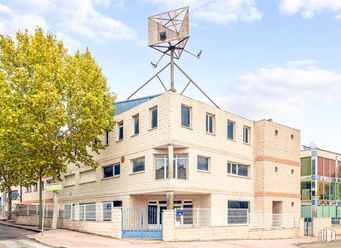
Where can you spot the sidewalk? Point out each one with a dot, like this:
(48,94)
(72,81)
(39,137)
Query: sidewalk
(71,239)
(12,224)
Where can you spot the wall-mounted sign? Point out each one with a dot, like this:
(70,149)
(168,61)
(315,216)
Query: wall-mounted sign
(179,212)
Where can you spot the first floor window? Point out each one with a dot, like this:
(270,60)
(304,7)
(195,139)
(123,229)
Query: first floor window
(87,211)
(202,163)
(161,166)
(237,169)
(107,211)
(138,164)
(180,166)
(112,170)
(238,212)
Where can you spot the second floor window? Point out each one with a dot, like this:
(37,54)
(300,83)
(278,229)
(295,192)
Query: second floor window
(185,116)
(136,121)
(230,130)
(246,135)
(120,130)
(107,137)
(209,123)
(153,113)
(138,164)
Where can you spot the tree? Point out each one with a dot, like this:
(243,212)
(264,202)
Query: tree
(63,101)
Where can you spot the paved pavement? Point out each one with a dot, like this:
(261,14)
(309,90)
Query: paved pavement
(71,239)
(11,237)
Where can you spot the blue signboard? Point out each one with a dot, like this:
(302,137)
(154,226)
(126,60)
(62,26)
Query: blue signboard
(314,177)
(313,202)
(179,212)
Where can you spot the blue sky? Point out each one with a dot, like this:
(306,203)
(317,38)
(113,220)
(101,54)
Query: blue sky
(261,59)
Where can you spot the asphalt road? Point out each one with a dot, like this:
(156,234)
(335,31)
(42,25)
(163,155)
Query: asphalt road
(11,237)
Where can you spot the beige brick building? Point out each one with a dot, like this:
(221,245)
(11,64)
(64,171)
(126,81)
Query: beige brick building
(171,150)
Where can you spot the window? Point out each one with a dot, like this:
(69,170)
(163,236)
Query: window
(138,164)
(185,116)
(153,113)
(180,162)
(35,187)
(136,121)
(87,211)
(230,130)
(209,123)
(246,135)
(202,163)
(120,130)
(112,170)
(161,167)
(117,204)
(28,188)
(107,211)
(237,169)
(107,137)
(69,211)
(238,212)
(15,194)
(117,169)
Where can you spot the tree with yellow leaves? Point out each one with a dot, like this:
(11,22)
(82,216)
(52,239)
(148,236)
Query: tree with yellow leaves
(54,106)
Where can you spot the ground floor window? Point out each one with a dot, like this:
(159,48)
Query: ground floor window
(238,212)
(69,211)
(87,211)
(107,211)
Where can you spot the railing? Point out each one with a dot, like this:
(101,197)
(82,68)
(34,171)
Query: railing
(33,210)
(201,217)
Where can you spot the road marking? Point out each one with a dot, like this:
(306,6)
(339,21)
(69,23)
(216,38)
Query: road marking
(32,243)
(9,244)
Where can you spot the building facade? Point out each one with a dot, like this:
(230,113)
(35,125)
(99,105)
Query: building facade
(321,184)
(171,151)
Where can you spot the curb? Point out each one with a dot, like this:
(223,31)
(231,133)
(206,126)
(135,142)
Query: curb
(29,228)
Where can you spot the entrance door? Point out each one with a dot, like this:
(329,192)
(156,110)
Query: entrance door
(277,213)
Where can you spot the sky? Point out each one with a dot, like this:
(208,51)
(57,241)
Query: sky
(261,59)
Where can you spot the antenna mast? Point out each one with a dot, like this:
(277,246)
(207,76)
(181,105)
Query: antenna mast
(168,33)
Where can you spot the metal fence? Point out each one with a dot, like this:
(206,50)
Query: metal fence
(33,210)
(201,217)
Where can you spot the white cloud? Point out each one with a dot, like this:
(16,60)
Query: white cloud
(70,18)
(218,11)
(286,89)
(308,8)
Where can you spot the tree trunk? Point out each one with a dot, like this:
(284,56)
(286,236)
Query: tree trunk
(40,203)
(9,192)
(55,210)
